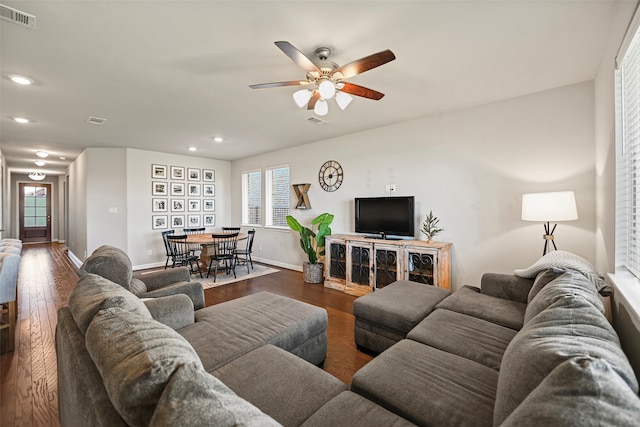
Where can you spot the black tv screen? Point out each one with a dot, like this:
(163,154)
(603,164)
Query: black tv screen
(385,215)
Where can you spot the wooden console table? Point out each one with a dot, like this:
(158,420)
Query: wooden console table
(358,265)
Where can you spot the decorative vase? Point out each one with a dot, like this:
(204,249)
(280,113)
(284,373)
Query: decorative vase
(312,273)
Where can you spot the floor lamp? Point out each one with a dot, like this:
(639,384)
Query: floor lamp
(549,207)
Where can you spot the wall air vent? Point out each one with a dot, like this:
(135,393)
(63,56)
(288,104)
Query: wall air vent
(17,17)
(96,120)
(317,121)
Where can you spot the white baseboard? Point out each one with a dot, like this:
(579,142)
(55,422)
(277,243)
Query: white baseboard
(278,264)
(74,259)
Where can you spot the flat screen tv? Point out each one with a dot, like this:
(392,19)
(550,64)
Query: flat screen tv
(385,216)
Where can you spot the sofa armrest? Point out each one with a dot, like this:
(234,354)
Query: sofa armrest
(193,290)
(175,311)
(161,278)
(506,286)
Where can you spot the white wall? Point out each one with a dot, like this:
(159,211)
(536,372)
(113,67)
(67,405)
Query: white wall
(142,237)
(470,167)
(77,172)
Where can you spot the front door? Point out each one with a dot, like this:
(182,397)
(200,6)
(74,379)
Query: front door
(35,212)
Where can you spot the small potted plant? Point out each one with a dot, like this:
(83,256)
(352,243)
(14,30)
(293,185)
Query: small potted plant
(430,226)
(312,243)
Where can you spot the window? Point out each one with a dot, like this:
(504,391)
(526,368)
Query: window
(252,198)
(628,159)
(277,196)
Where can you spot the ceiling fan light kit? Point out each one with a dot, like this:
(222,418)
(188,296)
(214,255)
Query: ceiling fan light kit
(327,77)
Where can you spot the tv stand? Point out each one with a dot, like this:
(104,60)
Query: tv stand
(384,237)
(357,264)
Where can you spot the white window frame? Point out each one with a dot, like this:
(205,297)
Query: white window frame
(245,196)
(268,197)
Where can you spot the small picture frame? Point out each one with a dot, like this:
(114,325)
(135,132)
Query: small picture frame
(158,172)
(159,188)
(177,205)
(177,172)
(193,205)
(159,222)
(177,188)
(159,205)
(208,190)
(208,175)
(209,220)
(193,174)
(209,205)
(177,221)
(193,220)
(193,190)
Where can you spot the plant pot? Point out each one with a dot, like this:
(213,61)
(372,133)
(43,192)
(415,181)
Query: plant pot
(312,273)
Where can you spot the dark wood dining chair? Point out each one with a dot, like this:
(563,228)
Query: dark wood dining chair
(194,247)
(243,256)
(230,229)
(167,248)
(222,252)
(182,254)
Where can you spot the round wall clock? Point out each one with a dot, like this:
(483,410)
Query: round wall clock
(330,176)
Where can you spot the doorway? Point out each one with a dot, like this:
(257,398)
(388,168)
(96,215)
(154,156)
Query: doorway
(35,212)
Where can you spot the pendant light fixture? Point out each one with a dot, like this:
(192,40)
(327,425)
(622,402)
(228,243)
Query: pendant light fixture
(37,176)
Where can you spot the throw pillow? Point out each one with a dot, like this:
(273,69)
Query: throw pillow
(92,293)
(582,391)
(111,263)
(565,260)
(194,397)
(137,286)
(136,357)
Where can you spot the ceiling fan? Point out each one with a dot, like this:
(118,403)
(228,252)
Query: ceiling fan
(326,78)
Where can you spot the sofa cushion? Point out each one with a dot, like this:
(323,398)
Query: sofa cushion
(472,338)
(570,283)
(428,386)
(137,286)
(111,263)
(282,385)
(194,397)
(542,279)
(136,357)
(565,260)
(589,386)
(92,293)
(351,409)
(468,300)
(570,327)
(399,306)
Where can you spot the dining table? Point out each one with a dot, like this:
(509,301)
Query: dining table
(205,240)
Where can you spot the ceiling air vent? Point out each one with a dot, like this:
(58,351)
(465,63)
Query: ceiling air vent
(317,121)
(96,120)
(17,17)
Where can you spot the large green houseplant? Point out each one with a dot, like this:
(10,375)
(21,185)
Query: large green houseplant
(312,243)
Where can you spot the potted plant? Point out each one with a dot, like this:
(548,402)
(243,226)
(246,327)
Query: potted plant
(312,243)
(430,226)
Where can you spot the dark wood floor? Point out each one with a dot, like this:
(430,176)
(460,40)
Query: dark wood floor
(28,388)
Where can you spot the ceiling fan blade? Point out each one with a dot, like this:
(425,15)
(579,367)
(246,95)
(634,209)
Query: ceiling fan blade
(315,97)
(298,57)
(364,64)
(361,91)
(280,84)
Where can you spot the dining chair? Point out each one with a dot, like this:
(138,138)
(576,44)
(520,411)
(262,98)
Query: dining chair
(182,254)
(194,247)
(167,248)
(246,252)
(230,229)
(222,252)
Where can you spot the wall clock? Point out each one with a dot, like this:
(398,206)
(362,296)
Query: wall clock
(330,176)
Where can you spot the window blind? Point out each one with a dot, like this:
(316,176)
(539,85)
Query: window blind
(252,198)
(278,196)
(628,159)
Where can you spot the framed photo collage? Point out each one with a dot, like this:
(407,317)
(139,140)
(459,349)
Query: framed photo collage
(182,197)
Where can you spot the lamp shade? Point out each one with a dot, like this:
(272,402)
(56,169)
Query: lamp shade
(321,108)
(301,97)
(555,206)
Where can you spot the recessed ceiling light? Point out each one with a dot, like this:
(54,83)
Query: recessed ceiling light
(192,148)
(40,162)
(21,80)
(62,158)
(21,120)
(218,139)
(42,154)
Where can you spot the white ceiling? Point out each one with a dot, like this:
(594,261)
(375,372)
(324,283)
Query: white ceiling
(171,74)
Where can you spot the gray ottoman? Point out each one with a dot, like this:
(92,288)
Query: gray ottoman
(386,316)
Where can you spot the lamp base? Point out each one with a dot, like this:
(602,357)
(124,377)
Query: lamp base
(548,237)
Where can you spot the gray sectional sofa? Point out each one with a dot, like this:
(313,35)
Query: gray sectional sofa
(252,361)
